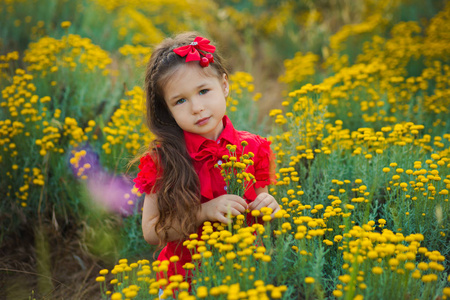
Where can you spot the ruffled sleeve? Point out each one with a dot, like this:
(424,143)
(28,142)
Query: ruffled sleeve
(264,165)
(148,175)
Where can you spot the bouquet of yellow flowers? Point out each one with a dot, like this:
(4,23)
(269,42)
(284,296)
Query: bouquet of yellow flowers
(234,170)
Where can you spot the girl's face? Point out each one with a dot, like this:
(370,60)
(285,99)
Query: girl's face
(197,100)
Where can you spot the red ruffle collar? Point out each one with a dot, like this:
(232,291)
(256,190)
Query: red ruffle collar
(194,141)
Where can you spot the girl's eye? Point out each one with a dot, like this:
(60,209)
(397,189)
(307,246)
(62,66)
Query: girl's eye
(204,91)
(181,101)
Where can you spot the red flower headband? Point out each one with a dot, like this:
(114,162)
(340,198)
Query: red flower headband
(197,48)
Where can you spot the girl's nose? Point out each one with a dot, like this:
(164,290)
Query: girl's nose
(197,106)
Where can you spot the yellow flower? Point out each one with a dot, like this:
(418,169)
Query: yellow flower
(184,285)
(377,270)
(372,254)
(345,278)
(409,266)
(393,262)
(267,218)
(202,292)
(423,266)
(382,221)
(174,258)
(309,280)
(116,296)
(255,213)
(275,293)
(416,274)
(188,266)
(130,294)
(104,272)
(231,255)
(266,258)
(66,24)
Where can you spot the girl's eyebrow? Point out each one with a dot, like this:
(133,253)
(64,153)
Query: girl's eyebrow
(178,96)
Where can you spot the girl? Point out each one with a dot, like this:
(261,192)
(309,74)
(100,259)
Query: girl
(186,88)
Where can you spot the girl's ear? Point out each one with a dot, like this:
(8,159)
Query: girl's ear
(226,86)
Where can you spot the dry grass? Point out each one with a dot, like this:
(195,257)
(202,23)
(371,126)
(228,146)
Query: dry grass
(43,263)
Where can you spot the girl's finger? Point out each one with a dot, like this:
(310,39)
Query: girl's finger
(240,207)
(259,206)
(221,218)
(233,205)
(256,202)
(239,200)
(235,212)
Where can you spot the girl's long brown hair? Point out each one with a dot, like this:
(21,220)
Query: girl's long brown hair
(178,190)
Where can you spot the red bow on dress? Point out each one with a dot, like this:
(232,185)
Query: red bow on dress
(195,49)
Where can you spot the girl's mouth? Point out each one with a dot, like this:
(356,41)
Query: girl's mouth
(202,121)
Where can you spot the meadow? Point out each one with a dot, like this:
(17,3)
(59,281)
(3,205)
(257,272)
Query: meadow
(354,96)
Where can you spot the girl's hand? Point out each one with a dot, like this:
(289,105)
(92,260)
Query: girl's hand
(218,208)
(264,200)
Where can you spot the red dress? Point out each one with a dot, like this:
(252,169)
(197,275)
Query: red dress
(205,153)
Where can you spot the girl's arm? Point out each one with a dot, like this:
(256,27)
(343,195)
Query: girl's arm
(264,199)
(213,210)
(150,215)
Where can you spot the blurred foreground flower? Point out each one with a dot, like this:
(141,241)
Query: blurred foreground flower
(113,192)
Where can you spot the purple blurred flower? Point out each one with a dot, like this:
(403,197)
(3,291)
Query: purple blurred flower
(111,191)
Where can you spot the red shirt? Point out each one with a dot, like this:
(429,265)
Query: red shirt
(205,153)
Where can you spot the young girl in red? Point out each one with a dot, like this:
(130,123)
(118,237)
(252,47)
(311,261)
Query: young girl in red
(186,88)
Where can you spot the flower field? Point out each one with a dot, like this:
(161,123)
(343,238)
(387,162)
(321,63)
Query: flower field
(354,98)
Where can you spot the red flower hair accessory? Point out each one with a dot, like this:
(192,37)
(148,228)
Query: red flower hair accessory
(196,49)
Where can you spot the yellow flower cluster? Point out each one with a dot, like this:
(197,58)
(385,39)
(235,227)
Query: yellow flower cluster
(37,31)
(49,54)
(300,68)
(30,177)
(238,252)
(29,126)
(6,62)
(369,142)
(306,112)
(124,274)
(223,253)
(25,114)
(234,170)
(414,196)
(337,41)
(147,22)
(75,162)
(76,133)
(241,87)
(139,54)
(126,130)
(143,28)
(368,254)
(381,84)
(436,38)
(267,19)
